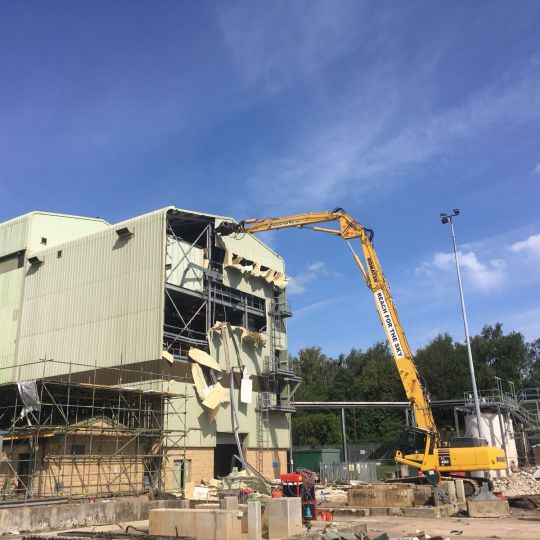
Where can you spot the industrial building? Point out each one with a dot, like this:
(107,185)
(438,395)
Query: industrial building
(118,347)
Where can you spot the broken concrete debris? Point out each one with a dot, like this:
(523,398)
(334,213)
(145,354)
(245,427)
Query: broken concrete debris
(520,482)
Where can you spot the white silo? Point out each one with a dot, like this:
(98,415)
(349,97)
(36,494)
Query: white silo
(498,430)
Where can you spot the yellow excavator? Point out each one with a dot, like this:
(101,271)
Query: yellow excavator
(421,446)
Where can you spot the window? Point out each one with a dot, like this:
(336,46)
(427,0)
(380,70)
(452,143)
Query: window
(59,254)
(43,240)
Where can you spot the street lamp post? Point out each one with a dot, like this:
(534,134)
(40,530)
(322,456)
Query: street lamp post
(448,218)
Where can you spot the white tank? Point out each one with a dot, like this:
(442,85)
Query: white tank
(491,428)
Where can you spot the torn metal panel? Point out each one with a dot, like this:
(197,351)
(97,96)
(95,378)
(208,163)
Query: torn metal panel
(270,276)
(280,281)
(248,336)
(217,395)
(254,268)
(199,381)
(203,358)
(244,334)
(166,355)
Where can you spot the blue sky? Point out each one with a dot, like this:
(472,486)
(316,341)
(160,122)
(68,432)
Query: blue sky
(395,111)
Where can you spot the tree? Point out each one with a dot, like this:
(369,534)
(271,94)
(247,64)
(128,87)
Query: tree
(315,429)
(532,370)
(443,366)
(499,355)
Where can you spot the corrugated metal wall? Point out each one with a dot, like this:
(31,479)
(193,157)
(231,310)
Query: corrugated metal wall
(13,234)
(100,302)
(10,297)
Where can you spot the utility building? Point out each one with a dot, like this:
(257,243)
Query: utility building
(119,345)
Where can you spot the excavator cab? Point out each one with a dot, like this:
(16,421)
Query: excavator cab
(412,441)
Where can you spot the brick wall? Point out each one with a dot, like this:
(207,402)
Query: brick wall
(269,457)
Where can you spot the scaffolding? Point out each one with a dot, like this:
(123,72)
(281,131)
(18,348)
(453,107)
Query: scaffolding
(93,432)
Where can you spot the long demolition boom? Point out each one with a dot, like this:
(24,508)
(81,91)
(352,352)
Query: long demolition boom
(372,273)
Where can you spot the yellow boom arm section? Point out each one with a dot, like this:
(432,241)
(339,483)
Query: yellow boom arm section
(373,275)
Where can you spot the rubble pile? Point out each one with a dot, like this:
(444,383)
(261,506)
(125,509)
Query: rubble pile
(521,482)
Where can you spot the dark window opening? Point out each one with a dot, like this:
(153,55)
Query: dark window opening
(11,262)
(224,459)
(233,315)
(256,323)
(59,254)
(77,449)
(43,240)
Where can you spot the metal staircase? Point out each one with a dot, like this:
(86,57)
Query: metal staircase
(278,380)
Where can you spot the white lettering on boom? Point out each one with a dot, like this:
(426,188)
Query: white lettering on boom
(388,322)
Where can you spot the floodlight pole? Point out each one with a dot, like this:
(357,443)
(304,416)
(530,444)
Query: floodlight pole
(448,218)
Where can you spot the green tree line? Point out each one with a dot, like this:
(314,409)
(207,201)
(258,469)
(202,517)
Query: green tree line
(371,375)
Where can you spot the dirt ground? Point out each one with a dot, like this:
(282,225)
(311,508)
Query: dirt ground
(519,525)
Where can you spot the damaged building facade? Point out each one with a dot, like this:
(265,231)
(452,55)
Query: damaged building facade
(136,356)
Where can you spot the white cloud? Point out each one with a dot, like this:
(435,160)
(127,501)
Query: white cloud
(275,43)
(484,276)
(529,246)
(352,149)
(299,284)
(318,306)
(316,266)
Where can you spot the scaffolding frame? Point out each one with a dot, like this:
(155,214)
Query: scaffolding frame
(96,432)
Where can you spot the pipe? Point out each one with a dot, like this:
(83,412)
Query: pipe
(234,416)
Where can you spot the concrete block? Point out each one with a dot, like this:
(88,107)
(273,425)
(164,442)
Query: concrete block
(172,522)
(449,488)
(284,517)
(254,516)
(218,525)
(460,491)
(229,503)
(208,506)
(382,496)
(423,495)
(487,509)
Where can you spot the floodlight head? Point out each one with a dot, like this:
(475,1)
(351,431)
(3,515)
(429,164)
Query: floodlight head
(456,211)
(442,214)
(445,220)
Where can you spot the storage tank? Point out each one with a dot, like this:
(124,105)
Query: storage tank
(498,430)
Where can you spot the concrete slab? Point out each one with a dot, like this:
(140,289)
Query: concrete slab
(172,522)
(254,516)
(229,503)
(487,509)
(204,524)
(218,525)
(460,491)
(284,517)
(423,495)
(58,516)
(382,496)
